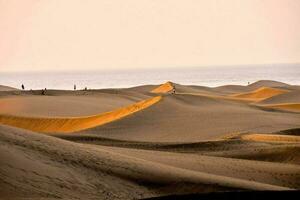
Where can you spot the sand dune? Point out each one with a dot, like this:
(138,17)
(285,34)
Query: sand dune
(271,138)
(232,89)
(267,83)
(260,94)
(164,88)
(234,147)
(212,165)
(189,118)
(142,145)
(61,106)
(293,131)
(290,97)
(274,153)
(42,166)
(72,124)
(294,107)
(7,88)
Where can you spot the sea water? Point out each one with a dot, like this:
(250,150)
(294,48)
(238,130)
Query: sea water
(205,76)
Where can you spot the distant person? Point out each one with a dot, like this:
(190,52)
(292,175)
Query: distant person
(44,91)
(85,88)
(174,89)
(23,87)
(74,87)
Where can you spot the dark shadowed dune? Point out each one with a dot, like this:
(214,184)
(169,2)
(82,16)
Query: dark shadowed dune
(246,195)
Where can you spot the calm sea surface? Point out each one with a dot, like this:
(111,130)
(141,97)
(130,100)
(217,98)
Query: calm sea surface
(206,76)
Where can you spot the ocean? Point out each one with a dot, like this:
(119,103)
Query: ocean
(205,76)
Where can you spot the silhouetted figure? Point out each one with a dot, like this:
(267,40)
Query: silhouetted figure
(85,88)
(23,87)
(174,89)
(74,87)
(44,91)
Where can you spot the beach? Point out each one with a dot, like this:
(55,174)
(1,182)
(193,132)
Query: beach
(150,140)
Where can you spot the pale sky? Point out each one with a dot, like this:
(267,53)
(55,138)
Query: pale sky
(120,34)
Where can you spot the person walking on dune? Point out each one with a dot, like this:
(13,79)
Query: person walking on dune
(23,87)
(174,89)
(74,87)
(44,91)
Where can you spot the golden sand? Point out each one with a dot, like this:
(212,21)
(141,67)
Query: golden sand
(73,124)
(271,138)
(260,94)
(285,106)
(164,88)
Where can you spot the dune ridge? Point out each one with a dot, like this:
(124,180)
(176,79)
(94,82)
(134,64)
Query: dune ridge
(73,124)
(7,88)
(164,88)
(260,94)
(200,117)
(271,138)
(285,106)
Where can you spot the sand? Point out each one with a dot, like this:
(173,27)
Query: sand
(271,138)
(189,118)
(260,94)
(6,88)
(164,88)
(73,124)
(61,106)
(133,143)
(293,107)
(290,97)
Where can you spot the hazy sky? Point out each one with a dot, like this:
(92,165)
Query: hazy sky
(95,34)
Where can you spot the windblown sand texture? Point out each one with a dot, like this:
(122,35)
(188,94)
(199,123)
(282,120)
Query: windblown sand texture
(133,143)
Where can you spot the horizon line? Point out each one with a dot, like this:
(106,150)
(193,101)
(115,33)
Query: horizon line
(149,68)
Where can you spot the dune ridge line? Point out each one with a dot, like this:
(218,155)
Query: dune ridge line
(285,106)
(271,138)
(74,124)
(261,93)
(164,88)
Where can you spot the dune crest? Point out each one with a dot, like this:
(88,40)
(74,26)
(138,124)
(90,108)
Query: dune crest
(271,138)
(7,88)
(260,94)
(164,88)
(73,124)
(295,107)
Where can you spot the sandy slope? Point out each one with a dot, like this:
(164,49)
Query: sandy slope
(197,140)
(272,138)
(6,88)
(42,166)
(268,83)
(61,106)
(293,107)
(164,88)
(290,97)
(189,118)
(233,89)
(72,124)
(260,94)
